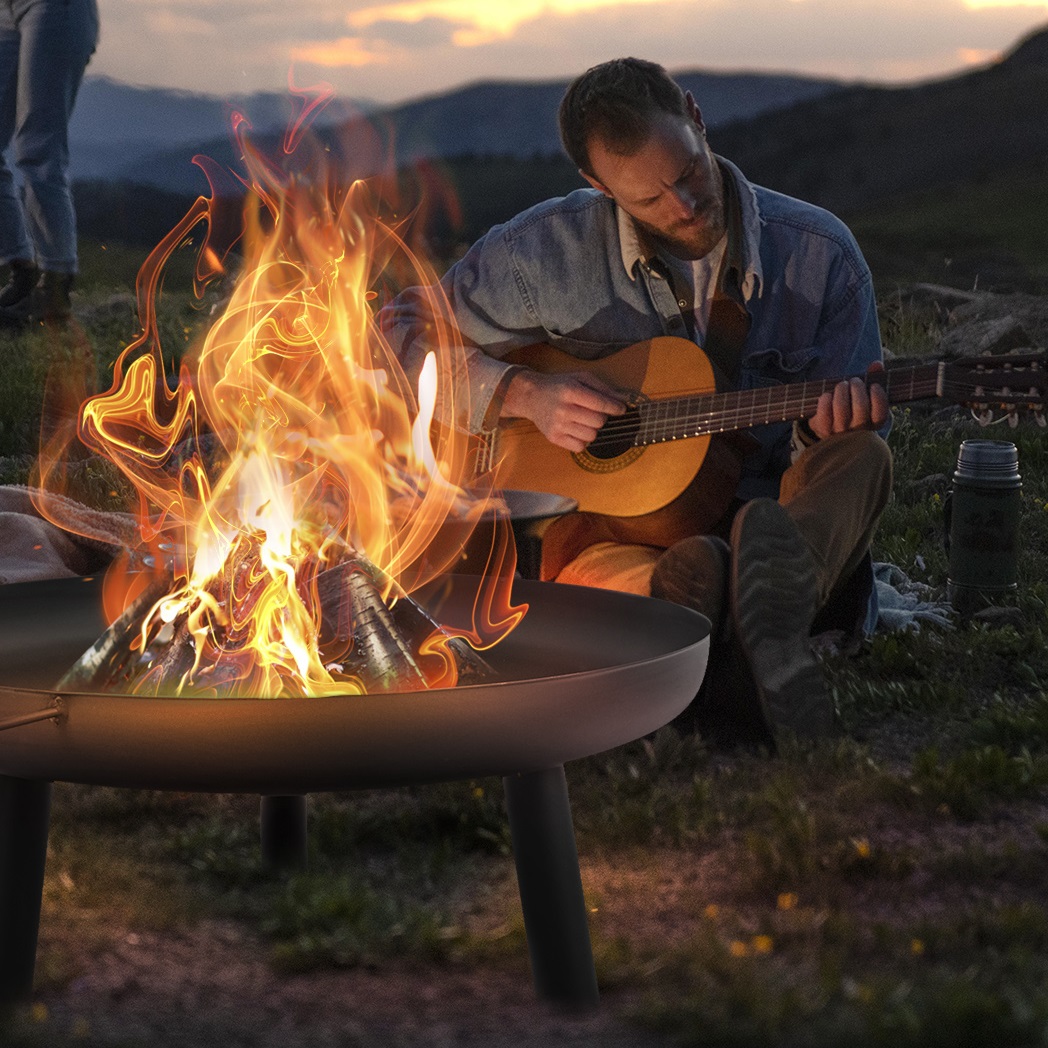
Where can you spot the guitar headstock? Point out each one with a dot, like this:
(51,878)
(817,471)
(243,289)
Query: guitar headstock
(998,387)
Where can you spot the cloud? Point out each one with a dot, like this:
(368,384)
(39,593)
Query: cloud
(404,49)
(348,52)
(868,39)
(425,33)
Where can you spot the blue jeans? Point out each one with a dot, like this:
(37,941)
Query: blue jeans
(45,46)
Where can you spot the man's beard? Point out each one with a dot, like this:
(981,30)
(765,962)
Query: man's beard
(688,243)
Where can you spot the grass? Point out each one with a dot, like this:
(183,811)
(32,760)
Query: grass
(883,889)
(972,235)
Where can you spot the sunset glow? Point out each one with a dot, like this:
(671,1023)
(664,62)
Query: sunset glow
(390,51)
(349,51)
(980,4)
(480,21)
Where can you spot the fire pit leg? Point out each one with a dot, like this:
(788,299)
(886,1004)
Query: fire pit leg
(550,886)
(282,820)
(25,810)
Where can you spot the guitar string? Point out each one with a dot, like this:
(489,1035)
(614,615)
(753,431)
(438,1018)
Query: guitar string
(734,406)
(737,402)
(705,419)
(737,406)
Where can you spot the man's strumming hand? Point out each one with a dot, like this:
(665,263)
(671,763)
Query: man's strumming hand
(568,409)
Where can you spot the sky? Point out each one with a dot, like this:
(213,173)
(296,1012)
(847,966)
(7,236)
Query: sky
(403,49)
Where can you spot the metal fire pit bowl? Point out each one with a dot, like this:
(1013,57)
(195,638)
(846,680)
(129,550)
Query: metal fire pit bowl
(586,670)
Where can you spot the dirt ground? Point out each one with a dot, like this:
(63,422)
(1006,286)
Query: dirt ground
(211,985)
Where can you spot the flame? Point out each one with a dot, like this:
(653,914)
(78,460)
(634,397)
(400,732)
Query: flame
(293,437)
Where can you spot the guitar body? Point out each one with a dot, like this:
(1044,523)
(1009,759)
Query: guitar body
(626,482)
(668,468)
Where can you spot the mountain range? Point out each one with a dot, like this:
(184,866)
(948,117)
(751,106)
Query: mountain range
(148,136)
(941,180)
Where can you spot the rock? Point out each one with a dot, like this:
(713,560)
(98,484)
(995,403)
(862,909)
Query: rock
(118,307)
(993,336)
(1000,616)
(1024,322)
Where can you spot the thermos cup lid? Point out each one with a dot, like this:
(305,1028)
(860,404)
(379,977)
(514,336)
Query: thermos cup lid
(988,460)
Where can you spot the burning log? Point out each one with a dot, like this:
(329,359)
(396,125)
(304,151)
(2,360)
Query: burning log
(405,617)
(380,655)
(364,642)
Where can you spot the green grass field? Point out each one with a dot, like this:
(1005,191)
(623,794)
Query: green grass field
(888,888)
(988,235)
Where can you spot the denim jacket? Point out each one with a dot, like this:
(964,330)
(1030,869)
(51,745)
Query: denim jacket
(560,273)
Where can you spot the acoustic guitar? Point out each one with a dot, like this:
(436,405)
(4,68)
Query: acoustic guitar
(644,460)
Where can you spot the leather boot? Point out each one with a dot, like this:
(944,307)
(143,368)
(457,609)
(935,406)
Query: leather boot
(774,598)
(23,278)
(694,572)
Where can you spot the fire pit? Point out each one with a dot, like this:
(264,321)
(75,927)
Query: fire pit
(585,671)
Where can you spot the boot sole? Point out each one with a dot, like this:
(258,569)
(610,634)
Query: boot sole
(774,595)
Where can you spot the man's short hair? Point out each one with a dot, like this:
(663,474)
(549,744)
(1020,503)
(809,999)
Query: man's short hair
(614,103)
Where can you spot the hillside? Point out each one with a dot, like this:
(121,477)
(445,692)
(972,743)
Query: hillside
(115,125)
(944,181)
(861,146)
(519,119)
(499,118)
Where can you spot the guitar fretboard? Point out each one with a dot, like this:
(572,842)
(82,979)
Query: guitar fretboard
(674,418)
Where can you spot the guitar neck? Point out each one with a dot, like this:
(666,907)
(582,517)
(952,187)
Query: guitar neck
(672,418)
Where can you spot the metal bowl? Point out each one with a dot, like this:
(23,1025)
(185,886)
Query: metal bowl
(585,671)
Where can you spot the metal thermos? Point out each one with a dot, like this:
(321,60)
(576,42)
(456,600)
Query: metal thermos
(983,525)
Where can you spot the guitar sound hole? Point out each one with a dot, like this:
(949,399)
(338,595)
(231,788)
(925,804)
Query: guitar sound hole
(617,436)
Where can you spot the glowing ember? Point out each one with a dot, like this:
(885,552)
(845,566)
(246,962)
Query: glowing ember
(326,457)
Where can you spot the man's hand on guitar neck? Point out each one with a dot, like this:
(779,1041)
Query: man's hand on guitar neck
(853,404)
(568,409)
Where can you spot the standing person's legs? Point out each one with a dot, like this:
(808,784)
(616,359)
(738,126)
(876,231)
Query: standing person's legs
(14,242)
(58,39)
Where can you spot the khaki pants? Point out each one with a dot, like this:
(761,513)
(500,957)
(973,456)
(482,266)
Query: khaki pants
(835,491)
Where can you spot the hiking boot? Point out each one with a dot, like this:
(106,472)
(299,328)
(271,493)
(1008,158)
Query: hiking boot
(48,301)
(694,572)
(24,277)
(774,598)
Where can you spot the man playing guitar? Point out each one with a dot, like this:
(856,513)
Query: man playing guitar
(672,240)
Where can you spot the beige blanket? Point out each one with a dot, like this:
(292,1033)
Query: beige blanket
(31,547)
